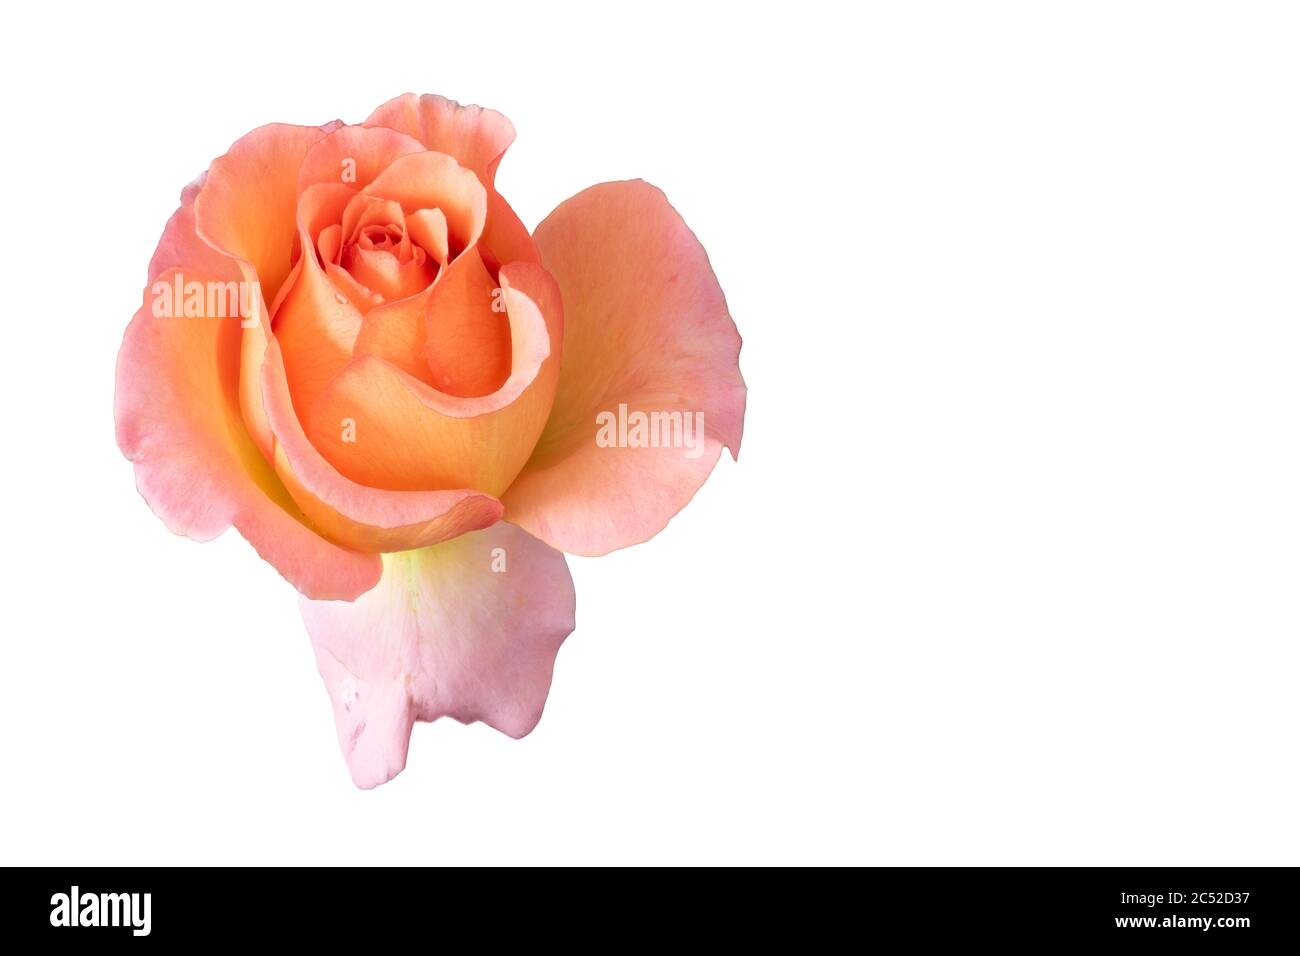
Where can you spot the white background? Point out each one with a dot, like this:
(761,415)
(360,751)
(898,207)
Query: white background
(1008,569)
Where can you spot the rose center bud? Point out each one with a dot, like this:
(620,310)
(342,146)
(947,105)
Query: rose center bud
(382,257)
(384,238)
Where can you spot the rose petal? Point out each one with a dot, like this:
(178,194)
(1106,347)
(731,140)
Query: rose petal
(246,207)
(314,322)
(467,343)
(646,326)
(395,332)
(435,181)
(367,519)
(363,300)
(505,238)
(428,228)
(353,155)
(365,210)
(178,419)
(410,436)
(466,629)
(180,246)
(475,136)
(382,272)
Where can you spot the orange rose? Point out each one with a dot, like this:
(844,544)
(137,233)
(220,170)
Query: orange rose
(353,351)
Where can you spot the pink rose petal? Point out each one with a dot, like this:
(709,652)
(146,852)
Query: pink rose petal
(645,327)
(467,629)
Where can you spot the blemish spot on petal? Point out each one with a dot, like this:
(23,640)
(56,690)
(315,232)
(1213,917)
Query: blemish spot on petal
(356,735)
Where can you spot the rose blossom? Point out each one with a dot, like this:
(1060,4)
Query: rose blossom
(353,351)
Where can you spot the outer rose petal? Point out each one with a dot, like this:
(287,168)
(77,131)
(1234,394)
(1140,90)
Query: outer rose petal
(248,202)
(353,155)
(357,516)
(443,635)
(178,419)
(475,136)
(646,325)
(246,208)
(181,248)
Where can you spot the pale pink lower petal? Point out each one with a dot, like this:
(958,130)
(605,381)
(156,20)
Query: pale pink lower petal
(646,331)
(467,629)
